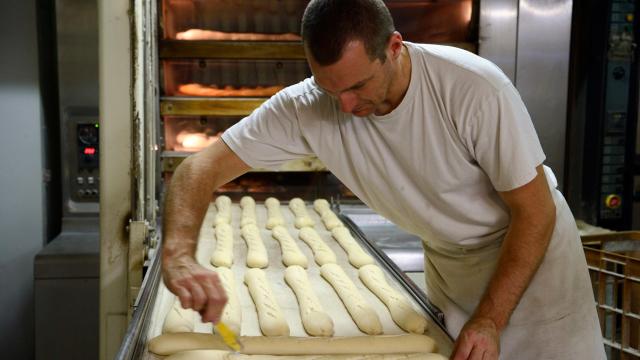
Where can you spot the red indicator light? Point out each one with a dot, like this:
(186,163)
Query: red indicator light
(89,151)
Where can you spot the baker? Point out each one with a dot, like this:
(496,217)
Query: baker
(437,140)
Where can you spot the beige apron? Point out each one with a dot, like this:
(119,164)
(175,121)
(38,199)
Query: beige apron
(556,317)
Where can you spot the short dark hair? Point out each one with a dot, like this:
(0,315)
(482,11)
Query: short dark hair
(327,26)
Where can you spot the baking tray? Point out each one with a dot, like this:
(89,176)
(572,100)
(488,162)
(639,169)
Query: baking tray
(153,304)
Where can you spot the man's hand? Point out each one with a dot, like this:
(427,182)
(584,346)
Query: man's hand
(478,340)
(197,287)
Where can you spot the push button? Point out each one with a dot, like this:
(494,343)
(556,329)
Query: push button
(613,201)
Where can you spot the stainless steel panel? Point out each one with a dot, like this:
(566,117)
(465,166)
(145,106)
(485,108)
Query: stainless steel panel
(77,55)
(77,37)
(67,326)
(498,34)
(542,72)
(404,249)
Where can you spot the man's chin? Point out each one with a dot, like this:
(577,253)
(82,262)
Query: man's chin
(363,112)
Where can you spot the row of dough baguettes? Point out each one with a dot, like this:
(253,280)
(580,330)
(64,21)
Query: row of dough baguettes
(275,218)
(291,255)
(185,346)
(315,320)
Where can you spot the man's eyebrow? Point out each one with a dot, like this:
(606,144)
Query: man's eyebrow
(356,85)
(359,83)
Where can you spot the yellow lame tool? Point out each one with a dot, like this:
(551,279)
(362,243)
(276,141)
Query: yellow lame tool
(228,336)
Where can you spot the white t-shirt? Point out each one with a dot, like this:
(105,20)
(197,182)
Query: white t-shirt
(432,165)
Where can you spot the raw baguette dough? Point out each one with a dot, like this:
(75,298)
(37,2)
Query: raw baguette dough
(223,253)
(270,317)
(291,254)
(274,216)
(299,209)
(357,256)
(315,320)
(256,254)
(168,344)
(232,313)
(362,314)
(321,205)
(322,253)
(248,216)
(226,355)
(329,218)
(401,311)
(223,206)
(178,319)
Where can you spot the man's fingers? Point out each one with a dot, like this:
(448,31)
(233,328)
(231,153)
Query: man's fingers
(185,297)
(491,354)
(198,295)
(216,299)
(463,348)
(477,353)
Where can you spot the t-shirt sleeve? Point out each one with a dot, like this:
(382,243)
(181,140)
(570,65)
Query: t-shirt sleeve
(270,136)
(503,140)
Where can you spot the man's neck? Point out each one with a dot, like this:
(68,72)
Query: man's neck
(399,83)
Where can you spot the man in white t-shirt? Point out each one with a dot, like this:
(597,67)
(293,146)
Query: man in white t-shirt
(438,141)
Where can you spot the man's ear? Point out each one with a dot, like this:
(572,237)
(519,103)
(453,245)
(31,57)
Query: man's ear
(395,45)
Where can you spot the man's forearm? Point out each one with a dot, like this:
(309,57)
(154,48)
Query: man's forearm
(522,253)
(185,206)
(190,192)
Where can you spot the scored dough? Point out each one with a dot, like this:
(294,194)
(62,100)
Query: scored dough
(270,317)
(223,205)
(168,344)
(299,209)
(178,319)
(274,216)
(248,215)
(226,355)
(322,253)
(315,320)
(291,254)
(361,312)
(232,313)
(223,253)
(329,218)
(401,311)
(357,256)
(256,254)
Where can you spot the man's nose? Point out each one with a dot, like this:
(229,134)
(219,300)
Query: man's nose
(348,101)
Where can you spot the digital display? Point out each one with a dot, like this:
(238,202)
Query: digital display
(89,151)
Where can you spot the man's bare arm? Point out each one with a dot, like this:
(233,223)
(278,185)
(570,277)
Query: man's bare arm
(533,216)
(188,198)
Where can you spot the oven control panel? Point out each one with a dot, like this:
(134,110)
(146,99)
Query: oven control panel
(81,161)
(86,176)
(614,190)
